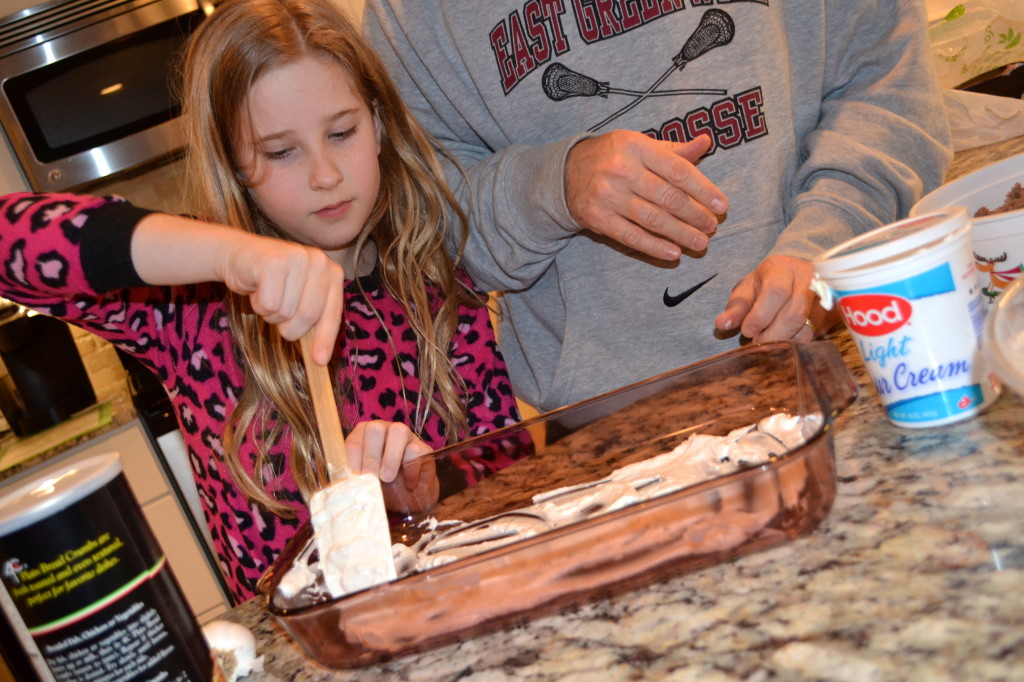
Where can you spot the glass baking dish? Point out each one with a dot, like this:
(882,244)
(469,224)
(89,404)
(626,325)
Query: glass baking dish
(703,524)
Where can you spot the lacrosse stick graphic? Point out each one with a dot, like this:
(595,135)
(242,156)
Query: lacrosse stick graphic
(560,82)
(714,30)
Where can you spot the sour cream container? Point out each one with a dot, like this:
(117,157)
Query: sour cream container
(910,296)
(87,591)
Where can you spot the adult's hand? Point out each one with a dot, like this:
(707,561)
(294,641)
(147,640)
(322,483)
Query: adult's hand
(644,193)
(775,302)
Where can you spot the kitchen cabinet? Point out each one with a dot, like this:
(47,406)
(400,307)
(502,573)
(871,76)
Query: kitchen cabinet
(166,514)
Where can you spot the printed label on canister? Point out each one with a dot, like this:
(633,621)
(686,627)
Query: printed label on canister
(919,381)
(91,586)
(910,297)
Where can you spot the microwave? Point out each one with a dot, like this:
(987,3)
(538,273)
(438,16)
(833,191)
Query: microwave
(88,88)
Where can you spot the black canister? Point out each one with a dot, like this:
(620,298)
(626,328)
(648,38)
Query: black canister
(87,590)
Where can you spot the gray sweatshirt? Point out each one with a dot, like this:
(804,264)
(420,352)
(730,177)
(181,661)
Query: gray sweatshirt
(826,118)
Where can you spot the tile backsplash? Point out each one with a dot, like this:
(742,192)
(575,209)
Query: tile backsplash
(158,187)
(107,374)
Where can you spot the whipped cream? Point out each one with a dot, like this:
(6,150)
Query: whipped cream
(351,532)
(699,458)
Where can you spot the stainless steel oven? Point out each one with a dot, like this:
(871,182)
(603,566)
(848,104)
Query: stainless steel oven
(87,87)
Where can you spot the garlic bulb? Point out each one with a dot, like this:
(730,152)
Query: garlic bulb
(234,647)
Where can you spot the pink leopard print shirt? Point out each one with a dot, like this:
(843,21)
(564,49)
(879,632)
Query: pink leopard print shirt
(69,256)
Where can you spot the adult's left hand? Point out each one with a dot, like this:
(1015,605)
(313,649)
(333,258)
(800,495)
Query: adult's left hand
(775,303)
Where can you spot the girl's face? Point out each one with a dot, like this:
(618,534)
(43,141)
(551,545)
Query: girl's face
(313,169)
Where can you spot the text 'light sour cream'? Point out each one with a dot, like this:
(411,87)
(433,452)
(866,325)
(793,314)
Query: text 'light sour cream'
(909,294)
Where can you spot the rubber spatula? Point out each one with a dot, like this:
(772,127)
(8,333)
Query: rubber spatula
(350,526)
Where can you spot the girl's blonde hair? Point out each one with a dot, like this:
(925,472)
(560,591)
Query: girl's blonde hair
(409,225)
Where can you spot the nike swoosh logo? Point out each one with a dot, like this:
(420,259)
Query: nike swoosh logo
(673,301)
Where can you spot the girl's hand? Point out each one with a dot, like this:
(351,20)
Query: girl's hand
(294,287)
(401,460)
(290,285)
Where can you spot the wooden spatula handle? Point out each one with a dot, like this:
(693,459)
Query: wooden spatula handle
(326,410)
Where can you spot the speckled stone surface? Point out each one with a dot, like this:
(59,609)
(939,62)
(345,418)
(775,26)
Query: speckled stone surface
(917,574)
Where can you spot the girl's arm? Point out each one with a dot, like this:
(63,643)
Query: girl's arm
(58,248)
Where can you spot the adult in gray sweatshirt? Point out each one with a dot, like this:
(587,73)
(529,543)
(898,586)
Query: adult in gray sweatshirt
(824,120)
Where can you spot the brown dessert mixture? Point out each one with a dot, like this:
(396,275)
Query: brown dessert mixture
(1014,200)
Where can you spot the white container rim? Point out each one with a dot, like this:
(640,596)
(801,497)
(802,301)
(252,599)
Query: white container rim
(902,240)
(55,489)
(993,176)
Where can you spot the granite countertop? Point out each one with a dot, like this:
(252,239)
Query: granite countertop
(917,573)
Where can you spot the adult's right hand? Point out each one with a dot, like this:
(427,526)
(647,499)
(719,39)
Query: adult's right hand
(644,193)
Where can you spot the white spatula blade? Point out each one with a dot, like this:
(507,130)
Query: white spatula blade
(351,531)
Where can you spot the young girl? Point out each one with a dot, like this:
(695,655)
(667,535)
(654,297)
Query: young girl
(338,216)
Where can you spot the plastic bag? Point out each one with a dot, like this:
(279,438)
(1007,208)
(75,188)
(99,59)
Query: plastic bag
(975,37)
(976,119)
